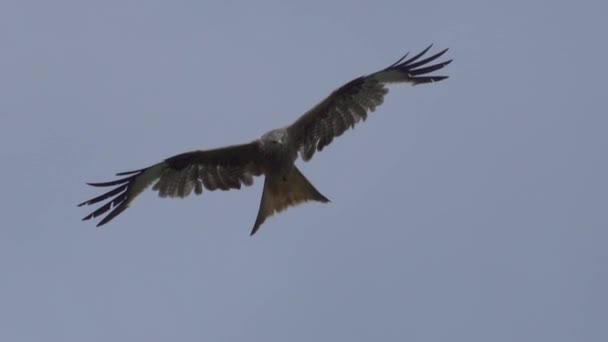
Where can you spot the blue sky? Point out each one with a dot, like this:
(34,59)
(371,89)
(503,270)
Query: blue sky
(469,210)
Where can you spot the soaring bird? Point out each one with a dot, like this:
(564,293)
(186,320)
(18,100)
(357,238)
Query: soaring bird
(273,154)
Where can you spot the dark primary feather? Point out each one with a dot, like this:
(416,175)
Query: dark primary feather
(411,71)
(351,103)
(119,202)
(223,168)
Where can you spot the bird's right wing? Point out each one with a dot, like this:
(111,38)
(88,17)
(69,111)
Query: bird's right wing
(350,103)
(223,168)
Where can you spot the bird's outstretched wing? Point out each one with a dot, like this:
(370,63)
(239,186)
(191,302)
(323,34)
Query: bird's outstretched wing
(223,168)
(350,103)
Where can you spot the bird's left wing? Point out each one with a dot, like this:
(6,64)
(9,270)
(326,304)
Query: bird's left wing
(223,168)
(350,103)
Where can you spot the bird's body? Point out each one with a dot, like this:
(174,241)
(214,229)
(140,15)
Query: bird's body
(279,153)
(273,155)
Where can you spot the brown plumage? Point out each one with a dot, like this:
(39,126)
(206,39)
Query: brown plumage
(274,154)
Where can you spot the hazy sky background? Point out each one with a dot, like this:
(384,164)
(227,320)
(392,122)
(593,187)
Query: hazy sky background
(470,210)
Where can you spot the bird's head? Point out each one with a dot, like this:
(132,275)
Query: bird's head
(277,137)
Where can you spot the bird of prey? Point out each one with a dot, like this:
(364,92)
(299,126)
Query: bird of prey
(273,154)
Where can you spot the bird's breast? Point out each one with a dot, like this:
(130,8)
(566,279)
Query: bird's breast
(278,163)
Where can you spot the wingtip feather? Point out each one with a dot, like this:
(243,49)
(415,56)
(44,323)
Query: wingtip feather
(127,189)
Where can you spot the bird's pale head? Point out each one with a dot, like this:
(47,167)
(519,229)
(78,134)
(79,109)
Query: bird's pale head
(277,137)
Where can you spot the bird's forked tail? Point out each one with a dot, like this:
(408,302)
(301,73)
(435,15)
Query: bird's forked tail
(281,193)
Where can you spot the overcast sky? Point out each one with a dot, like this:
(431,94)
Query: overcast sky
(474,209)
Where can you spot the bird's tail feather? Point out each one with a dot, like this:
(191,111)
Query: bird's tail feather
(281,193)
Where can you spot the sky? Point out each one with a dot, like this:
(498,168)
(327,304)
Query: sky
(468,210)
